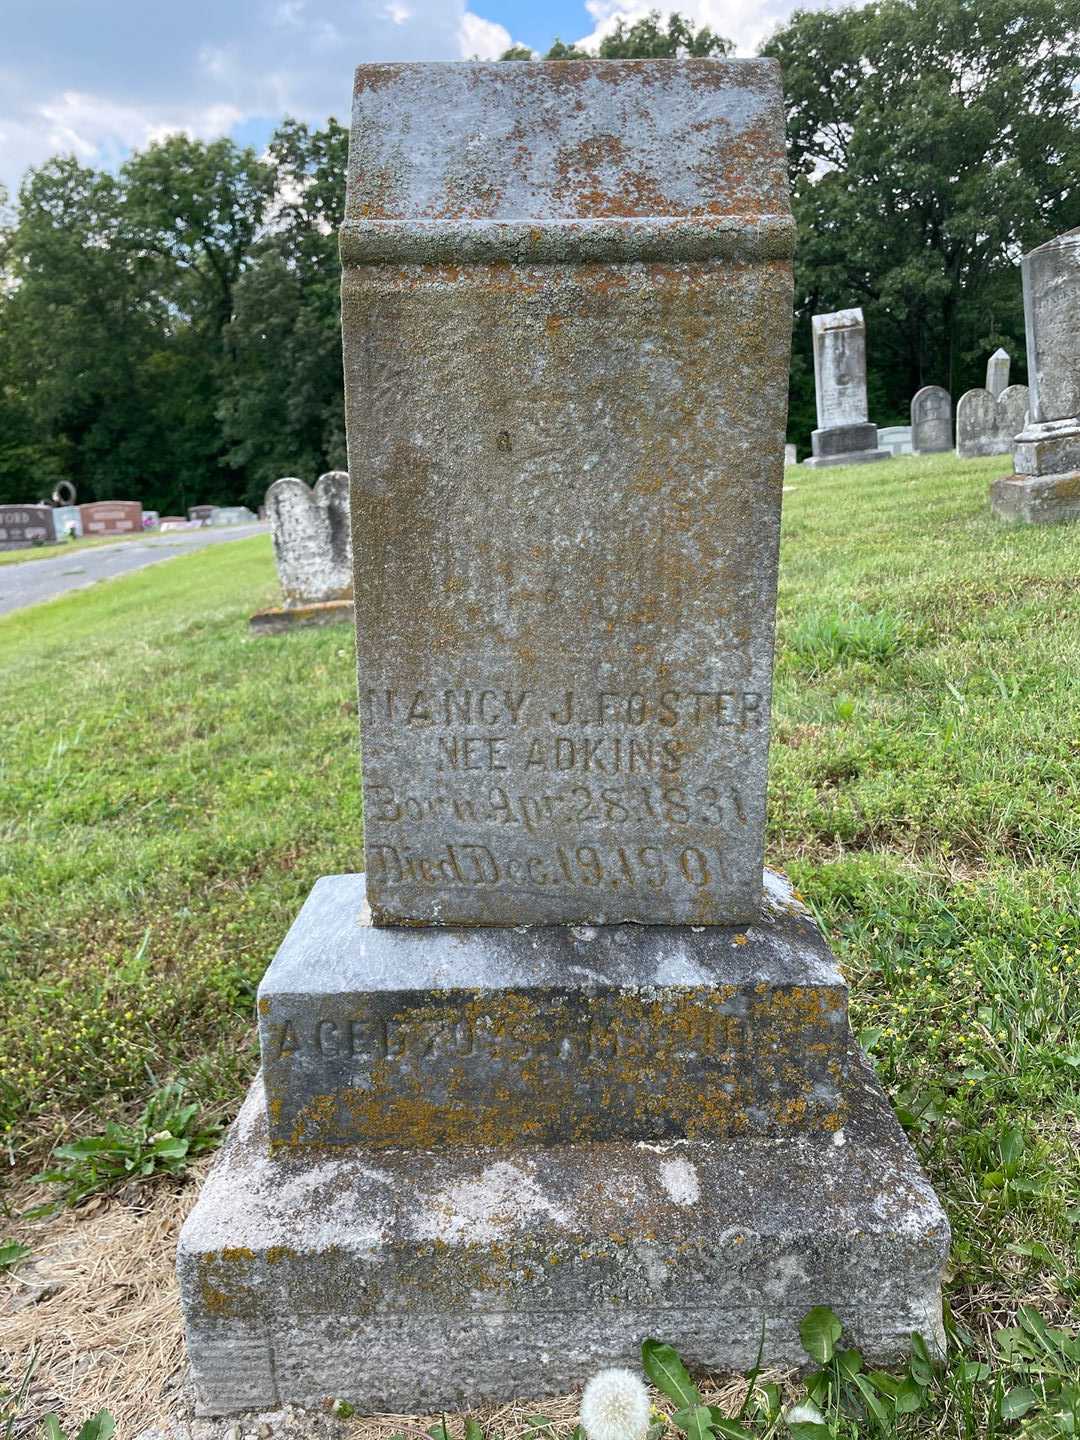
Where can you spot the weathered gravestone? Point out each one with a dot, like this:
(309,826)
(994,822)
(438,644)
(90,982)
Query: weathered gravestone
(844,435)
(497,1144)
(931,420)
(111,517)
(997,372)
(232,515)
(312,550)
(790,454)
(1046,455)
(67,521)
(896,438)
(988,426)
(24,525)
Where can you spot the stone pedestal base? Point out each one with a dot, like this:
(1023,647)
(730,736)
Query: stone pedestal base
(1036,499)
(845,445)
(299,617)
(418,1280)
(548,1034)
(1048,450)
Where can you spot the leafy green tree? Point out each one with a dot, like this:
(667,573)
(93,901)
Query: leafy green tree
(282,405)
(931,142)
(649,38)
(74,337)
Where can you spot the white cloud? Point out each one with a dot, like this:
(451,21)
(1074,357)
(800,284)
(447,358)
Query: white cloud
(482,38)
(100,80)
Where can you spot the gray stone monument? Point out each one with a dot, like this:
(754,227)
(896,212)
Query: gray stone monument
(502,1133)
(312,550)
(232,515)
(988,426)
(67,521)
(896,438)
(997,372)
(1046,457)
(844,435)
(931,420)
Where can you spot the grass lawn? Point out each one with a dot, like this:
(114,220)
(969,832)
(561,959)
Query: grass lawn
(172,787)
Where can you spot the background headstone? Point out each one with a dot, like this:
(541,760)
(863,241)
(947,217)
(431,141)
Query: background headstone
(1046,455)
(896,438)
(200,514)
(844,435)
(790,454)
(931,420)
(997,372)
(24,525)
(989,426)
(311,536)
(151,519)
(111,517)
(67,521)
(231,515)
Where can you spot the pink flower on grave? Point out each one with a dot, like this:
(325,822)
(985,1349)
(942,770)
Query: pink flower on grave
(615,1406)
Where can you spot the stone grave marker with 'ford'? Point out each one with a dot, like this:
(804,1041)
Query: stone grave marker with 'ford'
(560,1071)
(22,526)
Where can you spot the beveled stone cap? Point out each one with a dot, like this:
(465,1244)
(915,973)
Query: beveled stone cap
(568,160)
(838,320)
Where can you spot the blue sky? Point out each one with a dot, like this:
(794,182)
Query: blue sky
(538,25)
(99,78)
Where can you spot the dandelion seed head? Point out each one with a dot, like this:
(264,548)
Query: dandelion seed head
(615,1406)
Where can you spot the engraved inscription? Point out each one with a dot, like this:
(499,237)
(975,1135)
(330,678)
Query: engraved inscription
(620,789)
(699,1035)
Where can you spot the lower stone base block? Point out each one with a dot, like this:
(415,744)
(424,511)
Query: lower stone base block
(853,457)
(424,1280)
(300,617)
(1036,499)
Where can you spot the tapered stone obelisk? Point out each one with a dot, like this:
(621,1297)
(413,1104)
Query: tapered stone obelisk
(559,1072)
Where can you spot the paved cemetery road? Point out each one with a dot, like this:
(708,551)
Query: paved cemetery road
(37,580)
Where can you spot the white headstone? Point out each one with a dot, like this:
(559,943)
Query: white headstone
(988,426)
(312,543)
(997,373)
(840,368)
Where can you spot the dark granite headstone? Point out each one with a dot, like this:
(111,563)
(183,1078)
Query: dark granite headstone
(24,525)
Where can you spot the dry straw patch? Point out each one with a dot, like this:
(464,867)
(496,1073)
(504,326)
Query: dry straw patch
(98,1302)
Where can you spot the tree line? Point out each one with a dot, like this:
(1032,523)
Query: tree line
(171,332)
